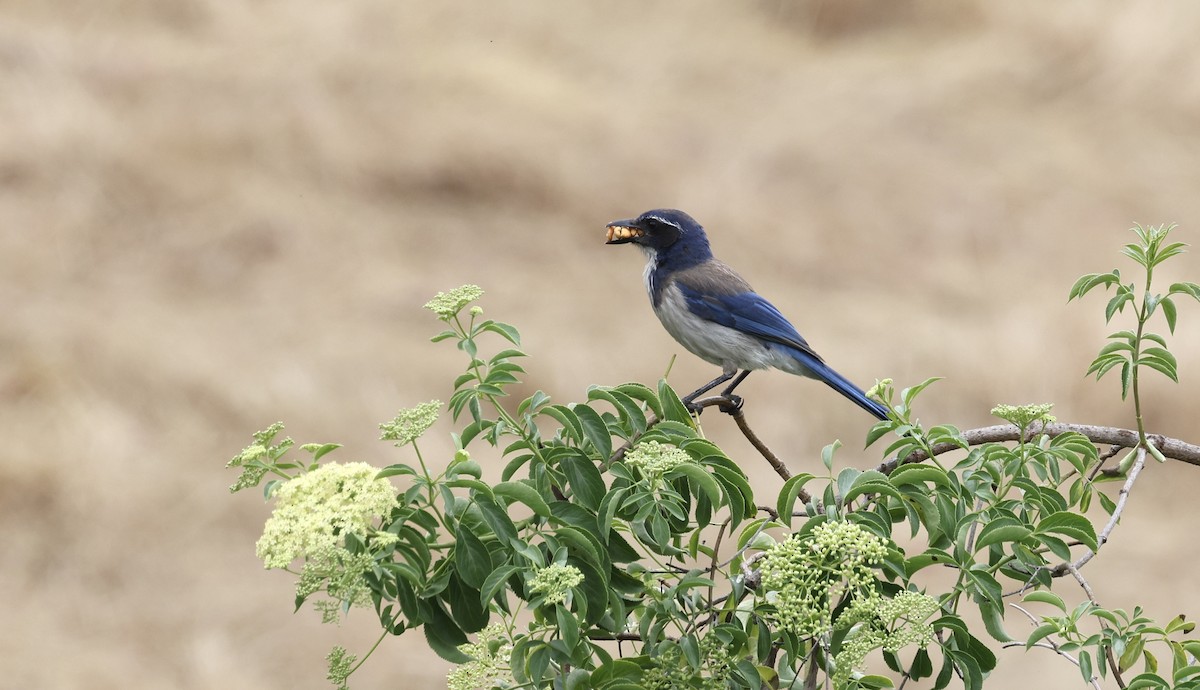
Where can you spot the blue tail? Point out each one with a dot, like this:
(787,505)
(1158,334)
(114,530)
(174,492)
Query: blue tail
(821,371)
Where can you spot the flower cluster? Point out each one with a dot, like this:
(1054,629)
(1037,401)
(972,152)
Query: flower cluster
(881,390)
(671,669)
(805,578)
(906,618)
(654,459)
(315,510)
(409,424)
(555,582)
(340,574)
(256,458)
(853,653)
(341,665)
(447,304)
(888,623)
(1024,415)
(488,667)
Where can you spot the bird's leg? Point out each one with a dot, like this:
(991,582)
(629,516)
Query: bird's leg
(735,400)
(687,399)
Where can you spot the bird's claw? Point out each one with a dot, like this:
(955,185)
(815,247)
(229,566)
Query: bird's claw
(732,404)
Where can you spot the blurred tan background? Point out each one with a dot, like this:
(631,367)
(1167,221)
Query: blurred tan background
(219,213)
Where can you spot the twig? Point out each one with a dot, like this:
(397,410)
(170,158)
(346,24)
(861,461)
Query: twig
(1048,644)
(716,553)
(1102,538)
(1108,651)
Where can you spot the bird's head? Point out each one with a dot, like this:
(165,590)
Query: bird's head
(661,231)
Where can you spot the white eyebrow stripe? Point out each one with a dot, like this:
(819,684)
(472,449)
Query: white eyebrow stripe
(664,221)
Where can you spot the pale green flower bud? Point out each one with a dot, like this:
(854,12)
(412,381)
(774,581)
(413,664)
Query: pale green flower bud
(1024,415)
(555,582)
(488,667)
(409,424)
(447,304)
(655,459)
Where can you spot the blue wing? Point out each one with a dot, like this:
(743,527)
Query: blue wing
(750,313)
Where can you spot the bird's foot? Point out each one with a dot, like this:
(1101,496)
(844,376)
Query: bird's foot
(731,404)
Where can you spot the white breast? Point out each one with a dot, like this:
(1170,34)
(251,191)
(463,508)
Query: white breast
(723,346)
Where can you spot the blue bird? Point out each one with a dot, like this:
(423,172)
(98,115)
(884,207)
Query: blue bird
(714,313)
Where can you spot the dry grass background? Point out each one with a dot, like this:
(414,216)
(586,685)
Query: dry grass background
(219,213)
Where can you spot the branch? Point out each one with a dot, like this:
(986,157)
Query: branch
(1125,438)
(1048,644)
(1108,650)
(731,405)
(1102,538)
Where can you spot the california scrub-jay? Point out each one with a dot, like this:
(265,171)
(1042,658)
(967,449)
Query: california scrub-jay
(714,313)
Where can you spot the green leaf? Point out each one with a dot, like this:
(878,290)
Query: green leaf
(594,589)
(968,667)
(1001,530)
(610,504)
(1057,546)
(1103,363)
(909,394)
(871,482)
(595,430)
(1047,597)
(505,354)
(442,634)
(567,418)
(1185,288)
(786,503)
(614,671)
(471,557)
(985,585)
(469,613)
(1091,280)
(568,626)
(496,581)
(917,473)
(827,453)
(632,416)
(508,332)
(1071,526)
(583,543)
(586,483)
(1085,666)
(926,559)
(673,407)
(463,483)
(1161,360)
(644,394)
(1136,252)
(1116,346)
(578,679)
(993,621)
(922,665)
(738,494)
(1170,312)
(523,493)
(701,477)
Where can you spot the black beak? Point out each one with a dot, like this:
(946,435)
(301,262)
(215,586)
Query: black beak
(622,231)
